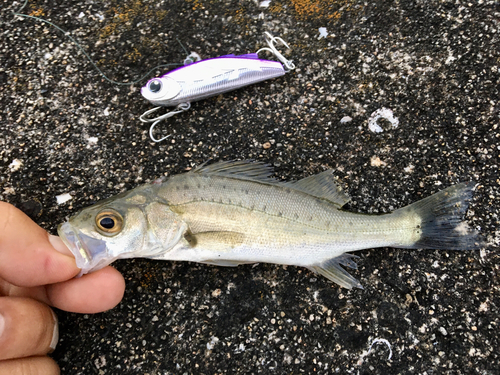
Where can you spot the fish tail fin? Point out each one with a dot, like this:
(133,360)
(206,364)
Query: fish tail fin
(442,225)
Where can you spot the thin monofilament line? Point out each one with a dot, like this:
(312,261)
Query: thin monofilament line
(18,13)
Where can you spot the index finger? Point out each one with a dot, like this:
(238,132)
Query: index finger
(27,257)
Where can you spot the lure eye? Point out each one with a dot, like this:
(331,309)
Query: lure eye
(155,86)
(109,221)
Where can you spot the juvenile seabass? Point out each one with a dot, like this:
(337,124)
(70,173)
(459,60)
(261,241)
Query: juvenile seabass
(231,213)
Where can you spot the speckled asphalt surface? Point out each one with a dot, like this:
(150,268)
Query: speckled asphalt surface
(434,64)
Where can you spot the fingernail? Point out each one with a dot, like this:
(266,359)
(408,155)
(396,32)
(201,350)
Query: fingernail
(2,325)
(59,245)
(55,334)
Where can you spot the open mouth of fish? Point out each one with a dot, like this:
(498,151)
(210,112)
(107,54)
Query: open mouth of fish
(90,253)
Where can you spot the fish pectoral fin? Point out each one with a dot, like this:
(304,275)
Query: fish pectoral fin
(218,240)
(332,271)
(323,186)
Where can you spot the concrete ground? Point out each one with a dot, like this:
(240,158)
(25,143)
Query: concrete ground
(433,64)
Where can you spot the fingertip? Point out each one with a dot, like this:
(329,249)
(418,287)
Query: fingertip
(92,293)
(59,245)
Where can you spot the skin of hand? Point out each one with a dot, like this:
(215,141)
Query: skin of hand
(37,271)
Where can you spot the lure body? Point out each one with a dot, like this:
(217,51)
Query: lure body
(208,78)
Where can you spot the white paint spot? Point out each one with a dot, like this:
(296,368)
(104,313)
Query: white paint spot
(100,362)
(81,15)
(409,168)
(265,4)
(106,111)
(63,198)
(323,32)
(375,161)
(100,16)
(9,190)
(214,340)
(450,58)
(383,341)
(384,113)
(375,341)
(92,140)
(15,165)
(345,119)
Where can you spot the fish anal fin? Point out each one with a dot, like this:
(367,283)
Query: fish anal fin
(332,270)
(323,186)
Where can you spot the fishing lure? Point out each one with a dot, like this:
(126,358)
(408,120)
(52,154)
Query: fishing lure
(211,77)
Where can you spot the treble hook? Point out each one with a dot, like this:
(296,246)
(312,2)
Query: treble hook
(179,109)
(270,40)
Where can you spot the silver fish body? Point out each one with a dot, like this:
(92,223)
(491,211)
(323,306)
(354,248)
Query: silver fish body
(208,78)
(231,213)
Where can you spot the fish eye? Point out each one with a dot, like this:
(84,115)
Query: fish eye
(109,221)
(155,85)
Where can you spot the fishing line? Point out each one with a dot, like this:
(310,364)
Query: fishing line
(18,13)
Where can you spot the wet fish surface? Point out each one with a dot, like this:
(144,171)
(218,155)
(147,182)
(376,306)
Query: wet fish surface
(231,213)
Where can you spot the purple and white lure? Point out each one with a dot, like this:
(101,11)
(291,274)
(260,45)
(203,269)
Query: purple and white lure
(211,77)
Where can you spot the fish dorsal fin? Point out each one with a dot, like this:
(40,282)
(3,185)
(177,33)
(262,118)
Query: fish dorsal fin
(242,169)
(321,185)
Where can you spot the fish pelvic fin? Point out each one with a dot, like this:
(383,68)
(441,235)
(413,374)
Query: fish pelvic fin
(441,220)
(332,270)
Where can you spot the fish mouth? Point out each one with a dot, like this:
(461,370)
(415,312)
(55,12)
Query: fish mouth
(88,252)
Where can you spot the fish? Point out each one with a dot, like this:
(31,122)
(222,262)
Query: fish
(234,212)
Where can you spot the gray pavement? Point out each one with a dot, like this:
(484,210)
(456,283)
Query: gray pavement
(433,64)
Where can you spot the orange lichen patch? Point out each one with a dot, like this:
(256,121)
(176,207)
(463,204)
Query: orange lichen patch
(276,8)
(37,13)
(200,4)
(197,5)
(307,7)
(322,9)
(133,55)
(147,277)
(108,62)
(124,14)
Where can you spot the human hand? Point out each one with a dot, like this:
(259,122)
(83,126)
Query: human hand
(37,271)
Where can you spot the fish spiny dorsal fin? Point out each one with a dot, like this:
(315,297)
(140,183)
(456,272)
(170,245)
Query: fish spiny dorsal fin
(242,169)
(321,185)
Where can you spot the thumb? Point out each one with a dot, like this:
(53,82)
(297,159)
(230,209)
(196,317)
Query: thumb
(28,256)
